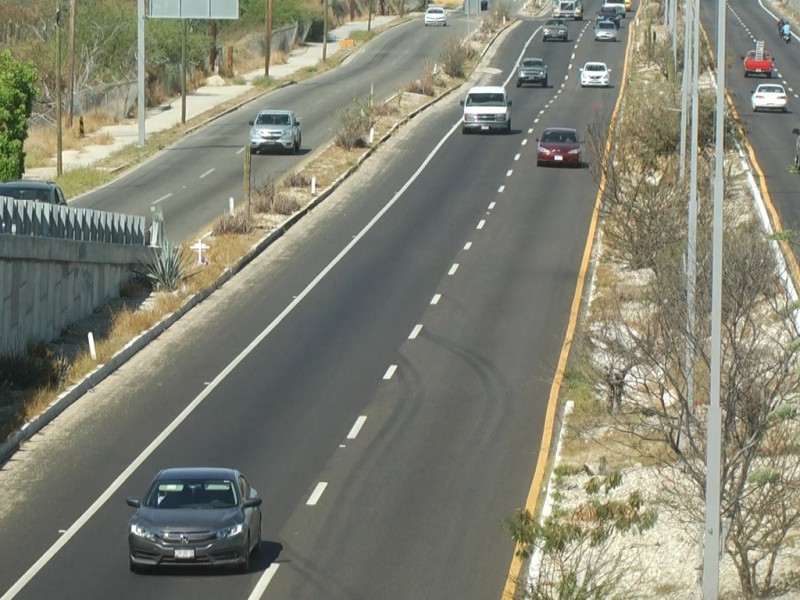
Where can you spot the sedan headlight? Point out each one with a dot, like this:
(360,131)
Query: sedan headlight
(543,150)
(574,151)
(143,532)
(227,532)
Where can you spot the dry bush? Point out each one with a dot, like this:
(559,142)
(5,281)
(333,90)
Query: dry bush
(297,179)
(284,204)
(278,57)
(454,57)
(351,128)
(239,222)
(384,109)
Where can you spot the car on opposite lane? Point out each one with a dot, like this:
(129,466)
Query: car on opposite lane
(769,96)
(605,31)
(558,146)
(195,516)
(274,129)
(595,74)
(30,189)
(435,15)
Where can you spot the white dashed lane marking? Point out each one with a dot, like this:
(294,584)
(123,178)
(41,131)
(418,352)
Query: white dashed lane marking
(317,493)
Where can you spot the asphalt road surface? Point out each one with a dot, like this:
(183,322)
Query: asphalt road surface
(380,374)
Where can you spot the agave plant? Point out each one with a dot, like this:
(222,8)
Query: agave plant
(167,266)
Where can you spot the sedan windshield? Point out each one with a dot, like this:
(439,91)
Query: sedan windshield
(560,137)
(192,493)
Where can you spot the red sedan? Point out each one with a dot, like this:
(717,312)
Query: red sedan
(558,146)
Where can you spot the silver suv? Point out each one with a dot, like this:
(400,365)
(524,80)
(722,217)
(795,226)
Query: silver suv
(275,130)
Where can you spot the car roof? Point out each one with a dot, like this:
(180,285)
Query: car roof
(435,9)
(274,111)
(570,129)
(31,184)
(487,89)
(197,473)
(594,63)
(770,85)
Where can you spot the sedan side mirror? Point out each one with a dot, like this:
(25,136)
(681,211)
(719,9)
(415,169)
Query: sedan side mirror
(252,502)
(509,103)
(133,502)
(462,103)
(796,131)
(251,122)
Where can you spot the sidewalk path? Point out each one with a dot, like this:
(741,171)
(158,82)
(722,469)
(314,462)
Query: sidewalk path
(203,99)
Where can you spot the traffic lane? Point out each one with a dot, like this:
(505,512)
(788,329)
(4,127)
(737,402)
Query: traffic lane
(459,419)
(164,396)
(321,396)
(385,63)
(769,134)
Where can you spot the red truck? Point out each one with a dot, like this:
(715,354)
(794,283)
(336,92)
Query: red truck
(757,62)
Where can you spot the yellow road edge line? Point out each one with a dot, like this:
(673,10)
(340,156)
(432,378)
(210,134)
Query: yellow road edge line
(510,588)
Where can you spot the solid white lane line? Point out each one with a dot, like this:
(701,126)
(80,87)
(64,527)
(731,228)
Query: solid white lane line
(390,371)
(453,269)
(415,332)
(190,408)
(209,172)
(263,582)
(481,223)
(356,427)
(164,197)
(468,245)
(435,299)
(317,493)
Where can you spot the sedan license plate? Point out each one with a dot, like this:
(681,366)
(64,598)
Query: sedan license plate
(185,553)
(558,157)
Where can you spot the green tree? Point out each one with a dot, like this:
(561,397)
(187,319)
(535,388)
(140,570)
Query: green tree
(17,92)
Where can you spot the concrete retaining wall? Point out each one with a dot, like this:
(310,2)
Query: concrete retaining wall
(47,284)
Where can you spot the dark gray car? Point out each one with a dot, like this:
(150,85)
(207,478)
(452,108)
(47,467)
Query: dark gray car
(31,189)
(195,516)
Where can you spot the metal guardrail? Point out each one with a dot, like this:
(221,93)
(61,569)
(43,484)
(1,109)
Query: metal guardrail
(39,219)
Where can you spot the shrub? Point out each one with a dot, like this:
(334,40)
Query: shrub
(350,130)
(297,179)
(167,266)
(454,57)
(239,222)
(284,204)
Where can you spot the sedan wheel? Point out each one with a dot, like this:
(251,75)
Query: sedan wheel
(244,566)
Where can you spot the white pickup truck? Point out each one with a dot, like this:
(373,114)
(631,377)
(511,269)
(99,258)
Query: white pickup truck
(568,9)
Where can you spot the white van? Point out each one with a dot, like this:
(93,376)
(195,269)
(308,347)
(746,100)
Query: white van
(486,108)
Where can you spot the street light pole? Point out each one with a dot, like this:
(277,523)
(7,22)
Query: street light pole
(713,543)
(59,132)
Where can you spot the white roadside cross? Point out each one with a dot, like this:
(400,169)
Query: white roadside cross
(199,246)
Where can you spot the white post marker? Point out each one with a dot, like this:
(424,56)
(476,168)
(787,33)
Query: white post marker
(371,135)
(313,184)
(199,246)
(230,205)
(92,349)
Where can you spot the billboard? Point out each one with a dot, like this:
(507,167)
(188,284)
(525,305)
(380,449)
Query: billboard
(194,9)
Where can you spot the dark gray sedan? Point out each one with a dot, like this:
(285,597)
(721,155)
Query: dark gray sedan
(195,516)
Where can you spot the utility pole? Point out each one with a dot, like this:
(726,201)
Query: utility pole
(268,36)
(58,94)
(324,30)
(184,35)
(71,53)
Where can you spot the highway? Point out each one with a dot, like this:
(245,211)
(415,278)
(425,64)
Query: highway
(380,374)
(192,180)
(768,133)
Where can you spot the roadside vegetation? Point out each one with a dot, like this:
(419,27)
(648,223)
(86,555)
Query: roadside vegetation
(634,413)
(172,275)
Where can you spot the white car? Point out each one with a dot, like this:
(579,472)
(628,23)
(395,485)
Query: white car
(435,15)
(595,74)
(769,96)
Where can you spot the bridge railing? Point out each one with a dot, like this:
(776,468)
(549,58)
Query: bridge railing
(39,219)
